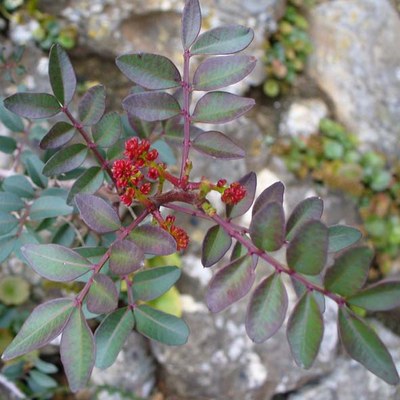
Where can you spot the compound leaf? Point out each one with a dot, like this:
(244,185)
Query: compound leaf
(267,309)
(215,245)
(44,324)
(363,345)
(55,262)
(97,213)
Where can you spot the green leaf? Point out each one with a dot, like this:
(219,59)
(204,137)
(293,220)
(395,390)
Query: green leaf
(126,257)
(363,345)
(349,272)
(66,159)
(249,181)
(151,106)
(238,251)
(65,235)
(97,213)
(7,245)
(153,282)
(267,309)
(150,71)
(33,105)
(267,228)
(89,182)
(191,22)
(342,236)
(62,75)
(307,252)
(9,119)
(273,193)
(305,330)
(153,240)
(19,185)
(59,135)
(42,379)
(49,207)
(108,130)
(55,262)
(159,326)
(44,324)
(230,284)
(382,296)
(111,335)
(221,107)
(77,351)
(215,244)
(34,166)
(103,295)
(223,40)
(10,202)
(307,210)
(92,105)
(7,145)
(217,145)
(218,72)
(45,367)
(7,223)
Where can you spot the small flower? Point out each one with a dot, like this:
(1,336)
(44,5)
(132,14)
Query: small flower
(234,193)
(180,236)
(221,183)
(145,188)
(153,173)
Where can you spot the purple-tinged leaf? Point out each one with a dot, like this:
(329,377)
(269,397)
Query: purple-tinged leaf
(126,257)
(150,71)
(238,251)
(89,182)
(221,107)
(160,326)
(300,289)
(307,210)
(111,335)
(349,272)
(61,74)
(381,296)
(273,193)
(215,245)
(305,329)
(10,120)
(267,309)
(103,295)
(223,40)
(97,213)
(191,22)
(217,145)
(249,181)
(61,133)
(363,345)
(230,284)
(108,130)
(267,228)
(92,105)
(307,252)
(153,282)
(55,262)
(44,324)
(341,237)
(151,106)
(218,72)
(33,105)
(77,351)
(66,160)
(153,240)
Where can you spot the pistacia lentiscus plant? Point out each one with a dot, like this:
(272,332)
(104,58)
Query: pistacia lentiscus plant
(131,175)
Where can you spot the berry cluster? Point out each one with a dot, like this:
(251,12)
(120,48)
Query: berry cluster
(233,194)
(135,174)
(180,236)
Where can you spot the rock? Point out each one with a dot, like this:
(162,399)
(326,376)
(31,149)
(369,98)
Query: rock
(356,62)
(303,117)
(350,380)
(133,371)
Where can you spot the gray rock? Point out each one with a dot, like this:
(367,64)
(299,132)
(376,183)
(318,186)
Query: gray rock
(357,63)
(133,371)
(350,380)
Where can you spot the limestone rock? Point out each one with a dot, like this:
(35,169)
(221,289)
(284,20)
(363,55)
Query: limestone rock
(357,63)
